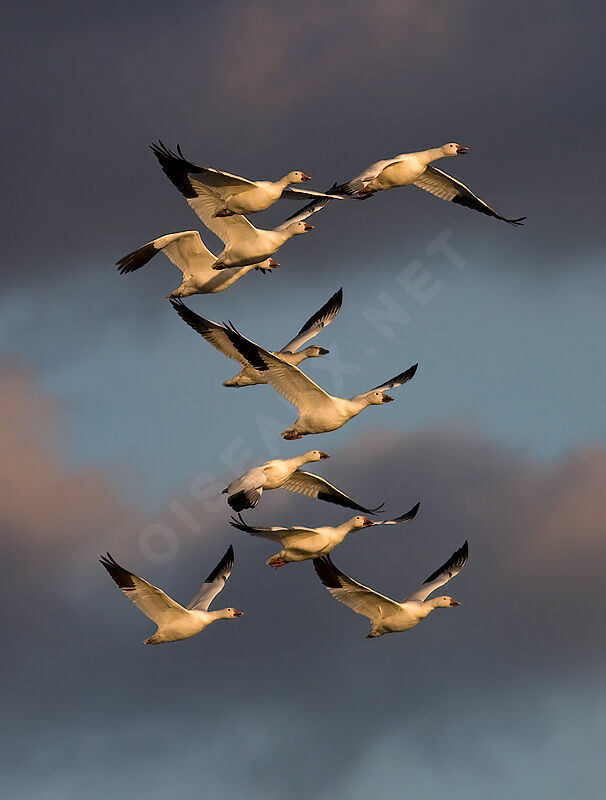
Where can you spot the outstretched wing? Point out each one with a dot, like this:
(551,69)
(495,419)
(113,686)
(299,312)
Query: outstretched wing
(214,333)
(407,517)
(302,194)
(276,534)
(180,171)
(303,213)
(399,380)
(358,597)
(214,583)
(445,187)
(150,600)
(313,486)
(452,567)
(285,378)
(315,323)
(186,250)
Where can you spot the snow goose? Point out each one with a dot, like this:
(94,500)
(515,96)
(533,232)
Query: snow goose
(173,621)
(416,169)
(319,411)
(235,195)
(386,615)
(286,473)
(189,254)
(248,376)
(302,544)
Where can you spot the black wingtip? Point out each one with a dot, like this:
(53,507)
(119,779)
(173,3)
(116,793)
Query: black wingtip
(327,572)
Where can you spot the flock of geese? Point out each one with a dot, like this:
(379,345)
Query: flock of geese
(221,200)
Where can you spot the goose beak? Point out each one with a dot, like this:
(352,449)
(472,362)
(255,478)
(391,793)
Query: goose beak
(307,227)
(455,603)
(323,351)
(323,456)
(305,177)
(273,263)
(387,399)
(238,613)
(368,522)
(462,150)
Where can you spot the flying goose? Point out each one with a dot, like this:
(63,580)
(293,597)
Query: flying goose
(302,544)
(417,169)
(244,244)
(386,615)
(189,254)
(248,376)
(319,411)
(286,473)
(235,195)
(173,620)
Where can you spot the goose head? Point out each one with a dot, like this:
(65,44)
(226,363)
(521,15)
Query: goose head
(358,522)
(298,227)
(445,602)
(313,351)
(297,177)
(315,455)
(454,149)
(378,398)
(230,613)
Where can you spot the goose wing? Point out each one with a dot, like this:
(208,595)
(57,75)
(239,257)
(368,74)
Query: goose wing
(286,379)
(407,517)
(313,486)
(323,317)
(303,213)
(302,194)
(186,250)
(246,491)
(452,567)
(180,171)
(365,177)
(214,333)
(150,600)
(358,597)
(276,534)
(214,583)
(445,187)
(398,380)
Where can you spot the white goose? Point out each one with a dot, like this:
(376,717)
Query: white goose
(173,620)
(189,254)
(386,615)
(235,194)
(286,473)
(416,169)
(248,376)
(244,244)
(302,544)
(319,411)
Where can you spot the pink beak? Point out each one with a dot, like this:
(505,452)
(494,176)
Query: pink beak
(455,603)
(462,150)
(273,263)
(305,177)
(368,522)
(387,399)
(238,613)
(324,455)
(308,227)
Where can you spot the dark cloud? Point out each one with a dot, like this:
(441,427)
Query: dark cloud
(249,705)
(256,87)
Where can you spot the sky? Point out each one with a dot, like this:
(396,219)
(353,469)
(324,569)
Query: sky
(117,434)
